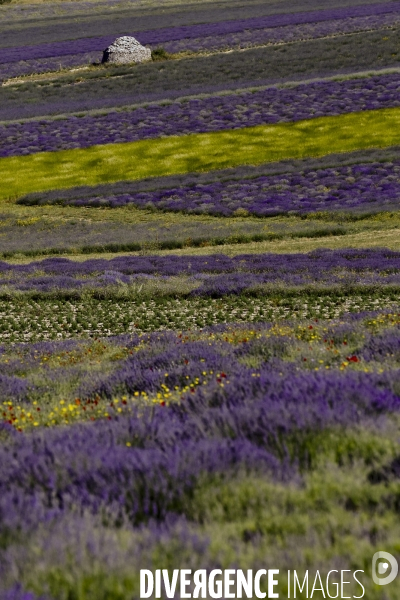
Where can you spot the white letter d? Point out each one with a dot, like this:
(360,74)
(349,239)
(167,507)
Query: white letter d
(145,573)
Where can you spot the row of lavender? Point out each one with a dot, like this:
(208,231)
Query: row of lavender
(174,363)
(121,86)
(205,30)
(228,111)
(36,66)
(20,12)
(284,35)
(361,189)
(215,274)
(246,39)
(208,37)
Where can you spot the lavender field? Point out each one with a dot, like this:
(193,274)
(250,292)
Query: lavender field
(199,366)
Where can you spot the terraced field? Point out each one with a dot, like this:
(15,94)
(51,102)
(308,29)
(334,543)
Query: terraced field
(199,294)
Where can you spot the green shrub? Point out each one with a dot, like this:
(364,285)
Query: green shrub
(160,54)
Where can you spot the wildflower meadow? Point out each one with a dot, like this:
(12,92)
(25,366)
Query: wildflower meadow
(200,300)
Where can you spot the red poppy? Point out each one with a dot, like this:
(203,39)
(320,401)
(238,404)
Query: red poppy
(352,359)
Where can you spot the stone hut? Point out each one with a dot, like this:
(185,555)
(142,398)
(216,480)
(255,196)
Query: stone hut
(125,50)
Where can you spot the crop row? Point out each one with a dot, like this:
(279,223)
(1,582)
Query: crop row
(388,12)
(133,230)
(27,320)
(214,274)
(282,35)
(114,86)
(184,25)
(164,366)
(16,13)
(120,19)
(231,111)
(299,167)
(363,187)
(45,65)
(172,155)
(27,60)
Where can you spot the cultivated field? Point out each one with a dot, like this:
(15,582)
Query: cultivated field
(199,293)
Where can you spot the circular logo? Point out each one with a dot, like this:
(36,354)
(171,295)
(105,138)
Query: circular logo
(384,568)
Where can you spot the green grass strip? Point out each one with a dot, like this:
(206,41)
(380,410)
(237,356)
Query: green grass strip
(20,175)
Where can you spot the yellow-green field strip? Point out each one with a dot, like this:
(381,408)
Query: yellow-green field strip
(198,152)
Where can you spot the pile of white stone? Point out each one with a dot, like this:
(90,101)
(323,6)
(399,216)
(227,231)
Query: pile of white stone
(125,50)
